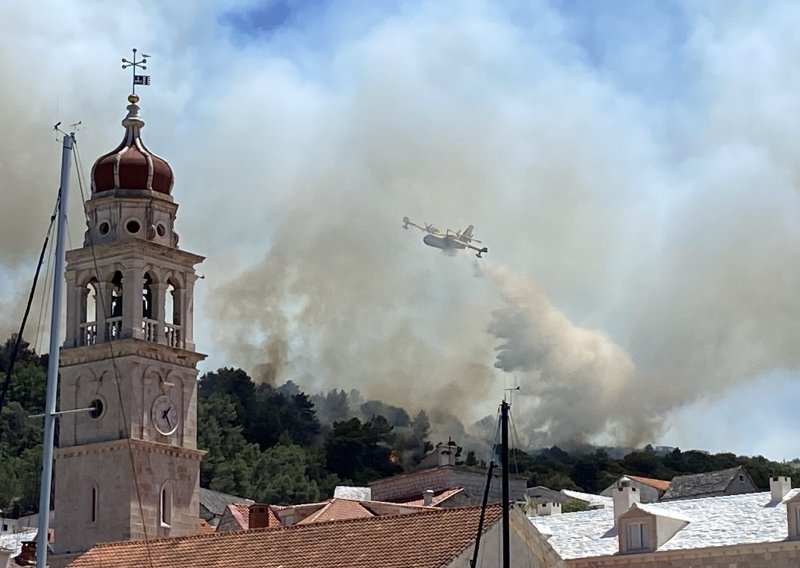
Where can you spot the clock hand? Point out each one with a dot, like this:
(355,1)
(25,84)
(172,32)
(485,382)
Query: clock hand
(165,416)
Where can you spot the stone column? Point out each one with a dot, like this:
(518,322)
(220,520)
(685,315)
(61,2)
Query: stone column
(132,301)
(73,317)
(187,312)
(103,309)
(159,309)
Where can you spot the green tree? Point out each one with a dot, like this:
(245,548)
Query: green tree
(281,476)
(586,474)
(360,452)
(234,382)
(220,434)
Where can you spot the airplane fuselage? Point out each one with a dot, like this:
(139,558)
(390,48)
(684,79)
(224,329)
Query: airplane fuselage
(444,243)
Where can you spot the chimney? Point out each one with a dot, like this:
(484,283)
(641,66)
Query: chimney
(427,497)
(27,556)
(548,509)
(625,495)
(779,486)
(259,516)
(447,453)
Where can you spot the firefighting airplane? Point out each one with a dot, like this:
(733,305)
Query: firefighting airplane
(449,241)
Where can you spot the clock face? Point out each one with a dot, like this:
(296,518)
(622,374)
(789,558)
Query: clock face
(164,415)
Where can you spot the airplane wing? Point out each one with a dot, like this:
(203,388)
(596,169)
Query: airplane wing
(427,228)
(479,250)
(466,236)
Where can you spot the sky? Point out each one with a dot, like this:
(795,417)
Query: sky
(630,166)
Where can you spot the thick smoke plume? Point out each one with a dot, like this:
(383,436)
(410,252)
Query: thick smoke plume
(575,383)
(636,172)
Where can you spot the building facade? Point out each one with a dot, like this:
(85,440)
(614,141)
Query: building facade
(128,468)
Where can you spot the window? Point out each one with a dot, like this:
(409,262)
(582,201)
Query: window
(93,509)
(165,506)
(133,226)
(638,536)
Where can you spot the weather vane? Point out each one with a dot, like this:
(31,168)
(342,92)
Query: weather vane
(134,65)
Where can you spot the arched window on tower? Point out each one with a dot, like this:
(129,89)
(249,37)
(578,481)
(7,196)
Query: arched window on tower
(89,316)
(114,322)
(165,506)
(149,323)
(172,314)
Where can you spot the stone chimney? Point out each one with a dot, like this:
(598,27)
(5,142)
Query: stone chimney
(625,495)
(548,509)
(779,486)
(259,516)
(447,453)
(427,497)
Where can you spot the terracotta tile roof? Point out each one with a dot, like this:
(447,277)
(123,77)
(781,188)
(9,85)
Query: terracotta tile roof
(338,510)
(659,484)
(241,512)
(438,497)
(429,539)
(203,527)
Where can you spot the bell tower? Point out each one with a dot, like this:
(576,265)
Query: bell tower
(128,469)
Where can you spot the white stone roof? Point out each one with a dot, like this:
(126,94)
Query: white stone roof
(13,542)
(352,492)
(591,498)
(748,518)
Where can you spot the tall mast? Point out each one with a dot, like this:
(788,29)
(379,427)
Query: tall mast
(504,463)
(52,363)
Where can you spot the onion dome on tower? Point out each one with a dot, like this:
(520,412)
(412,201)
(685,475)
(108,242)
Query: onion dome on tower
(131,166)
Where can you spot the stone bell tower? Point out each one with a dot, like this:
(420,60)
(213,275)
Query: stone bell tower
(128,468)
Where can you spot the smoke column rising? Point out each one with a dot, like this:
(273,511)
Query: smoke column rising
(636,171)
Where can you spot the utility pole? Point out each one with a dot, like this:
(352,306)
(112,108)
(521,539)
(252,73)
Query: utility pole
(504,464)
(53,356)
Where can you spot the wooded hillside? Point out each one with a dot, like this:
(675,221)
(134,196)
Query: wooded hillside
(281,445)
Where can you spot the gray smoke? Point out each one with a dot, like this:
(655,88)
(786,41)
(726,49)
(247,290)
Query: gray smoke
(641,190)
(575,383)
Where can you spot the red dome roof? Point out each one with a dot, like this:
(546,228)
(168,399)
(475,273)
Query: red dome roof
(131,165)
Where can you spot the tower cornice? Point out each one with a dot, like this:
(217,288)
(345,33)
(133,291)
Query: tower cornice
(123,445)
(130,347)
(134,248)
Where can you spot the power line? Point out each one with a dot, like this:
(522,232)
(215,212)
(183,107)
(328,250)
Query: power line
(15,351)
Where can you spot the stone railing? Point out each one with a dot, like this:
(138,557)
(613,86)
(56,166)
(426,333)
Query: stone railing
(173,335)
(149,329)
(113,328)
(88,333)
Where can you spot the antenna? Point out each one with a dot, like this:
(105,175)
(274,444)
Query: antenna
(516,388)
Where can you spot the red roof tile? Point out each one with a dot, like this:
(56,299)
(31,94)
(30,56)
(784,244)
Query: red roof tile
(438,497)
(429,539)
(241,512)
(204,528)
(337,510)
(659,484)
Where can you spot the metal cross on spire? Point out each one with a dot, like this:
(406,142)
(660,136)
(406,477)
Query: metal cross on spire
(134,65)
